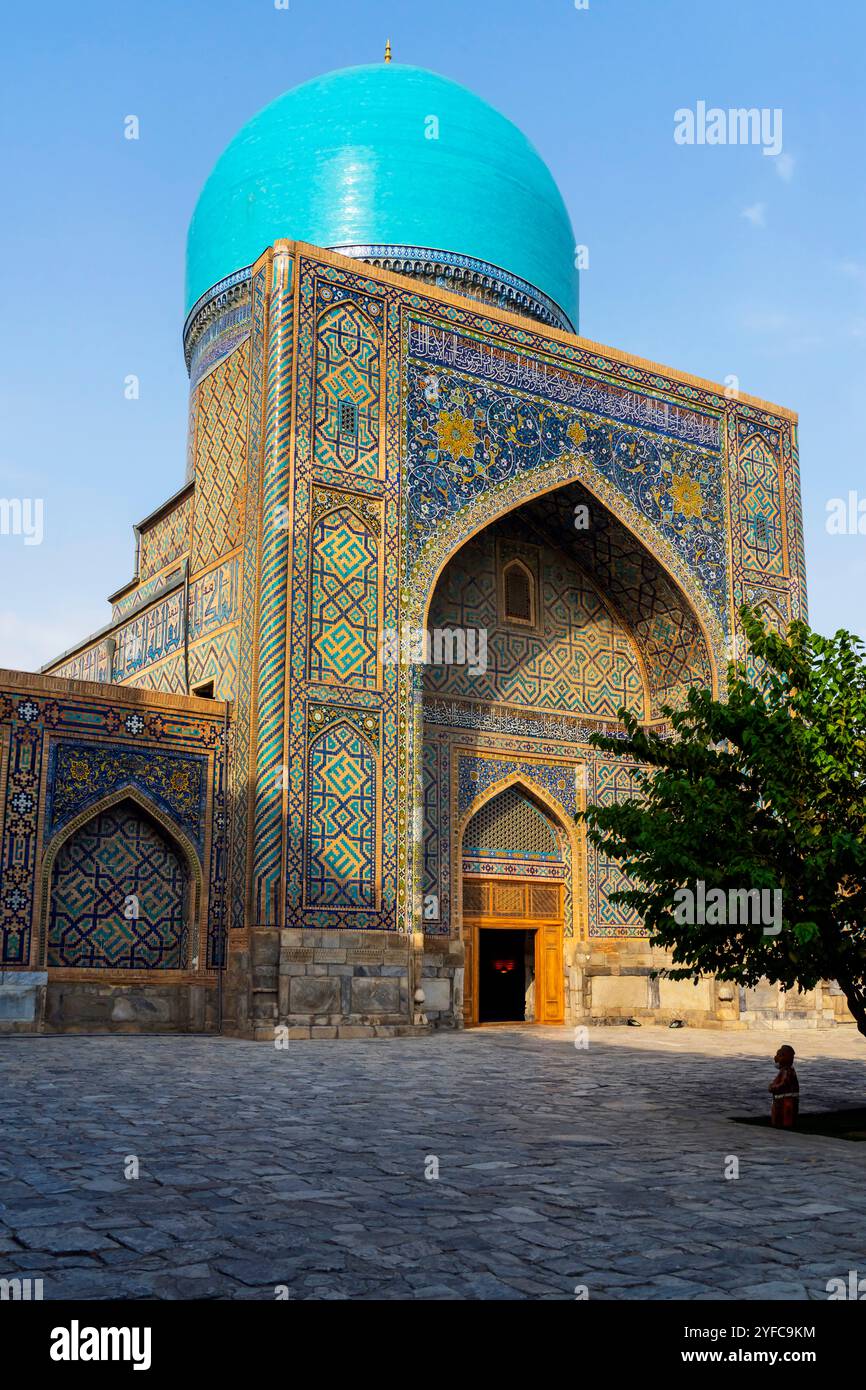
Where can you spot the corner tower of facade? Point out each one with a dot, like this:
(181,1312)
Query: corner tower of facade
(394,430)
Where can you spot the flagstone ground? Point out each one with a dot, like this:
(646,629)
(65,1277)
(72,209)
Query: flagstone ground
(305,1167)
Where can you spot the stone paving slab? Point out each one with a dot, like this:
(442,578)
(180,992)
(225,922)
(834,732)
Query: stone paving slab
(502,1164)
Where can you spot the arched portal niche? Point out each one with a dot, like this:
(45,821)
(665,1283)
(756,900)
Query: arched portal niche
(122,893)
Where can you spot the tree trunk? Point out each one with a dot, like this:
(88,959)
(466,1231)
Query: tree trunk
(855,994)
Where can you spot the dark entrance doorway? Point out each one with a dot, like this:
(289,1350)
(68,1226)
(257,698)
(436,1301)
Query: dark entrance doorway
(502,979)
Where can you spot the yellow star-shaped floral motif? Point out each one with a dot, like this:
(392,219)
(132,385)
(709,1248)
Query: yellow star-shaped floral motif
(457,436)
(576,433)
(686,495)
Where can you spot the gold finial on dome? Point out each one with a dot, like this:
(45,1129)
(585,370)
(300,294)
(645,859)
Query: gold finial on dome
(388,51)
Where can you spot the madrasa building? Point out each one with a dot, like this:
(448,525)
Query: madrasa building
(321,771)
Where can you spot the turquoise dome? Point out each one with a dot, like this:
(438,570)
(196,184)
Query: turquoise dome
(346,162)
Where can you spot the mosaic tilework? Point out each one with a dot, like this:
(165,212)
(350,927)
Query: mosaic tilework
(348,378)
(476,774)
(341,829)
(219,470)
(760,503)
(540,755)
(192,412)
(466,436)
(613,781)
(216,323)
(80,773)
(168,678)
(145,643)
(497,352)
(511,827)
(215,659)
(579,660)
(93,748)
(451,418)
(436,859)
(93,664)
(268,813)
(502,719)
(243,744)
(320,288)
(139,594)
(224,335)
(510,837)
(166,540)
(344,601)
(157,632)
(652,445)
(767,523)
(117,856)
(19,865)
(212,658)
(659,617)
(149,637)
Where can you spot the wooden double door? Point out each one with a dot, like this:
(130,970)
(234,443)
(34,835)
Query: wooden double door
(513,935)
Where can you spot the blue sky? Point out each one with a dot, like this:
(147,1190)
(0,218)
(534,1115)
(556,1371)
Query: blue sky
(713,259)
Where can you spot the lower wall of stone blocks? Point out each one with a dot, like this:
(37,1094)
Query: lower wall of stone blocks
(610,982)
(348,984)
(34,1002)
(345,984)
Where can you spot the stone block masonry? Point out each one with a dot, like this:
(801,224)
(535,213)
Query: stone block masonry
(350,984)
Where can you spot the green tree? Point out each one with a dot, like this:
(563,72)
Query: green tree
(764,790)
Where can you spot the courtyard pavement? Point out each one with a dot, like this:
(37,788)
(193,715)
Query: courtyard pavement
(312,1169)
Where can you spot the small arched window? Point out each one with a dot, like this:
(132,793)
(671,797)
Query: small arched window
(518,592)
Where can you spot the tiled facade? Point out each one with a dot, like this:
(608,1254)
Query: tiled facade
(366,454)
(114,854)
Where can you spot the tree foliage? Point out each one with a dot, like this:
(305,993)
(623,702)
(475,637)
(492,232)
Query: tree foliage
(763,790)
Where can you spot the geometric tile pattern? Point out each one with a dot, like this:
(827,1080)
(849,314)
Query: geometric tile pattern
(436,858)
(348,367)
(477,774)
(614,781)
(559,781)
(509,826)
(324,482)
(92,664)
(344,601)
(439,419)
(220,453)
(341,833)
(760,506)
(165,541)
(659,617)
(581,660)
(169,678)
(134,597)
(266,888)
(119,896)
(766,517)
(94,748)
(243,735)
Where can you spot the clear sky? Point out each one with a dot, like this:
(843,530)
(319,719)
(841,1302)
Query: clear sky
(714,259)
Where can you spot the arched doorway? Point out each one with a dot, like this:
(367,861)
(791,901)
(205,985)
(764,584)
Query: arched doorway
(515,863)
(120,894)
